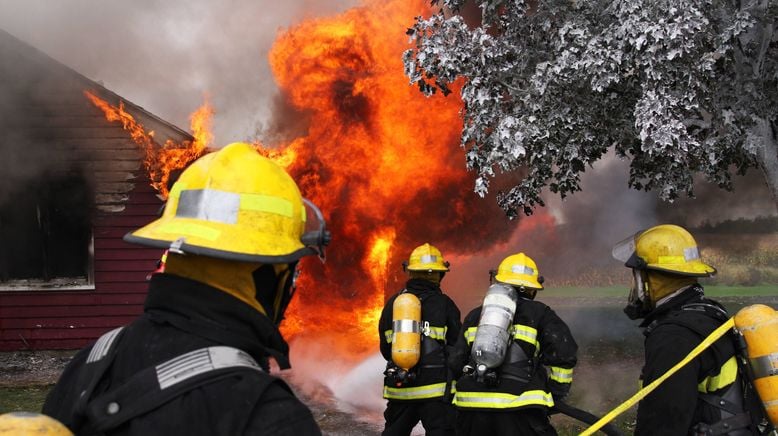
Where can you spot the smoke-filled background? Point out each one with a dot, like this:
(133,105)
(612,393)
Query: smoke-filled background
(323,82)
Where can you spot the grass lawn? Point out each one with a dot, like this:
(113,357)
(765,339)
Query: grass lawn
(622,291)
(27,398)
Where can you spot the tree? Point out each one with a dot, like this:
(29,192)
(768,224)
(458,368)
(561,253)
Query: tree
(679,87)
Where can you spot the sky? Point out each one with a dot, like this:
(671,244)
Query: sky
(167,56)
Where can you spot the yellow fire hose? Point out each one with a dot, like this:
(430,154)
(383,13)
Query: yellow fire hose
(713,337)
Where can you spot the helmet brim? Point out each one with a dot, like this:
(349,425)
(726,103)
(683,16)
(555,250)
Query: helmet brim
(192,236)
(690,269)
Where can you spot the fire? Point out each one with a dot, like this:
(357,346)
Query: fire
(380,160)
(377,265)
(160,161)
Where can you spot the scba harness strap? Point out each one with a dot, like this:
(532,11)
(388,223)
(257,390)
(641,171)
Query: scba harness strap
(737,414)
(155,385)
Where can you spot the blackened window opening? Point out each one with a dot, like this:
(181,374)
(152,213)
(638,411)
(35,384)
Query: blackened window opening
(46,231)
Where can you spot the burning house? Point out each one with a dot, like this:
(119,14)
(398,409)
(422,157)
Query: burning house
(74,185)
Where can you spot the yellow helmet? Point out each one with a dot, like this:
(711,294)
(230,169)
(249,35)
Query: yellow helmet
(519,270)
(426,258)
(29,424)
(237,205)
(667,248)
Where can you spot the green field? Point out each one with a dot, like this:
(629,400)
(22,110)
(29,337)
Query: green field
(622,291)
(28,398)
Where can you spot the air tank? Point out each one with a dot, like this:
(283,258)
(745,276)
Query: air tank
(759,326)
(493,335)
(406,330)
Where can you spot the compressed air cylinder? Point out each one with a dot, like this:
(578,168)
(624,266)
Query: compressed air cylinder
(406,331)
(492,337)
(759,326)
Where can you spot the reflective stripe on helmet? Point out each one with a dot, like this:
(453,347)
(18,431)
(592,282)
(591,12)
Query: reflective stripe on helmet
(221,206)
(428,258)
(560,375)
(725,377)
(190,229)
(416,392)
(501,400)
(522,269)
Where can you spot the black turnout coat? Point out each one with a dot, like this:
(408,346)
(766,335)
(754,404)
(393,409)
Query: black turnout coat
(437,309)
(671,333)
(182,315)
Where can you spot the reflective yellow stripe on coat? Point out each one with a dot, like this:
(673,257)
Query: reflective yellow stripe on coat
(527,334)
(518,332)
(560,375)
(724,378)
(438,333)
(417,392)
(501,400)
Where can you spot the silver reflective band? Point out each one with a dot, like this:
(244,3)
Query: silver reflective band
(428,258)
(209,205)
(405,326)
(522,269)
(419,392)
(765,366)
(103,344)
(691,253)
(199,361)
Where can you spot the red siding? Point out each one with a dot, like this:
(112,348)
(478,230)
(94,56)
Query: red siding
(57,110)
(72,319)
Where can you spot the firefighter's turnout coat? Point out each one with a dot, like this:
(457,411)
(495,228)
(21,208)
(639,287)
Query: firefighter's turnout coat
(195,363)
(706,390)
(440,324)
(528,378)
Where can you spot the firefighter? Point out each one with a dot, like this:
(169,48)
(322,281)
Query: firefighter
(196,361)
(421,392)
(705,397)
(516,357)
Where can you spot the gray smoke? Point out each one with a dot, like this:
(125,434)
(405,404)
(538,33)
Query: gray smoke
(166,55)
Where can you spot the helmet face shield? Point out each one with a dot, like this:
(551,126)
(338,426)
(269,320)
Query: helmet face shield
(625,249)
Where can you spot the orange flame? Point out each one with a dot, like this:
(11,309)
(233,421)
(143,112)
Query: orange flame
(160,161)
(381,161)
